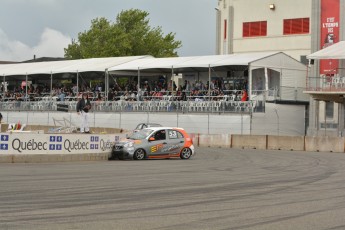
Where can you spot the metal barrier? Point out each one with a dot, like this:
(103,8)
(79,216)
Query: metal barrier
(142,106)
(326,83)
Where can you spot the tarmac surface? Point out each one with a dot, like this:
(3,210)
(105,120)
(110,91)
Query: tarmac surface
(216,189)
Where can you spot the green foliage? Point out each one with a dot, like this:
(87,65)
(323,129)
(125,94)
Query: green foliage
(130,35)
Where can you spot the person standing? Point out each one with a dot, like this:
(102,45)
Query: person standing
(83,108)
(0,121)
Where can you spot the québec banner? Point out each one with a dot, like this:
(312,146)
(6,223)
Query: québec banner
(24,143)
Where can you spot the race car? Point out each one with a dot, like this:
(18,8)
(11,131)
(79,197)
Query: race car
(155,142)
(141,126)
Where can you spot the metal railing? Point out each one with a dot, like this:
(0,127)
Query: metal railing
(142,106)
(325,83)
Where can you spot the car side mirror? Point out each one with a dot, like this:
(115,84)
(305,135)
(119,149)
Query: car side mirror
(152,139)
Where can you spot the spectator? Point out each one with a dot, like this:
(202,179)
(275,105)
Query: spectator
(83,108)
(244,95)
(62,96)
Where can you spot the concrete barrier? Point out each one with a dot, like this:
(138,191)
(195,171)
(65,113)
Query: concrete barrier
(6,159)
(67,144)
(195,138)
(215,140)
(285,143)
(45,158)
(324,144)
(248,141)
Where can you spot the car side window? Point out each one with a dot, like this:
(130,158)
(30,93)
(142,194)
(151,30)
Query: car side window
(173,134)
(160,135)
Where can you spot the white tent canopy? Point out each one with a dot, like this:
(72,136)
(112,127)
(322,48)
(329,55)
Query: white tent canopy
(135,63)
(191,63)
(68,66)
(335,51)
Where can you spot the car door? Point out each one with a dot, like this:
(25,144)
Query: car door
(157,146)
(175,142)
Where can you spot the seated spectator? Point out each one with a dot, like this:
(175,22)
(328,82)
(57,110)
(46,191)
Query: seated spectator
(62,96)
(244,95)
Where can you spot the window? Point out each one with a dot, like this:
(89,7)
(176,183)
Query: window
(254,29)
(173,134)
(160,135)
(296,26)
(329,110)
(304,60)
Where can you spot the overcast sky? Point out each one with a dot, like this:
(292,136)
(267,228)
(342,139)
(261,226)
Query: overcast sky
(46,27)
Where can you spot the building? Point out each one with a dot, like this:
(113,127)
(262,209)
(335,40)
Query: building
(264,25)
(325,78)
(297,28)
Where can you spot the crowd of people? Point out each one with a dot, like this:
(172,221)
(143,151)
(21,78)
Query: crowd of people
(129,91)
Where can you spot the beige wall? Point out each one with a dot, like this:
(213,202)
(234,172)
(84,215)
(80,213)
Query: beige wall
(239,11)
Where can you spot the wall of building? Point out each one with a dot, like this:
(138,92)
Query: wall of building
(235,12)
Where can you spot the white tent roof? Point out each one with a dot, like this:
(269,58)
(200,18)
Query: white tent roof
(191,62)
(69,66)
(335,51)
(157,63)
(149,64)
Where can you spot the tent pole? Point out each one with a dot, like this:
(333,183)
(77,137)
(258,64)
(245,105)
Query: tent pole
(138,79)
(51,85)
(77,84)
(250,83)
(106,85)
(209,81)
(26,87)
(4,86)
(172,80)
(266,79)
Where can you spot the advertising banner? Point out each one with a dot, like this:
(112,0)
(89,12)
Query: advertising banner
(330,13)
(24,143)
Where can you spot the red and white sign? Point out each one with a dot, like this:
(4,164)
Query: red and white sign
(330,14)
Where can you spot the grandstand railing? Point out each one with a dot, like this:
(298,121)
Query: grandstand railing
(192,106)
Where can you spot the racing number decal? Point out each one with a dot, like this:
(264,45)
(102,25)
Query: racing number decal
(172,134)
(155,148)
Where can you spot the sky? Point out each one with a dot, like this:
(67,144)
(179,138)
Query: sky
(45,27)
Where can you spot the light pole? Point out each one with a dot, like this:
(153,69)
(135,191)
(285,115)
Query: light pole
(218,18)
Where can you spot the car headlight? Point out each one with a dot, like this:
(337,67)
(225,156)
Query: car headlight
(128,145)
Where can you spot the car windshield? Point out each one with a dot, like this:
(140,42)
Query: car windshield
(142,134)
(146,125)
(139,126)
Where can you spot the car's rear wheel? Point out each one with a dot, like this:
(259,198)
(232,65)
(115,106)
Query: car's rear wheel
(139,154)
(186,153)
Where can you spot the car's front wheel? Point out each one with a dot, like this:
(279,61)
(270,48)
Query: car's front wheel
(186,153)
(139,154)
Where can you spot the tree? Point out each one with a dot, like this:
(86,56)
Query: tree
(130,35)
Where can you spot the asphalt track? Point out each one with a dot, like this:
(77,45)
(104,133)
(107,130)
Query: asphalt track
(217,189)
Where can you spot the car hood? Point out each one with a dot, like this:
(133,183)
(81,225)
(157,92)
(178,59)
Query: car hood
(125,141)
